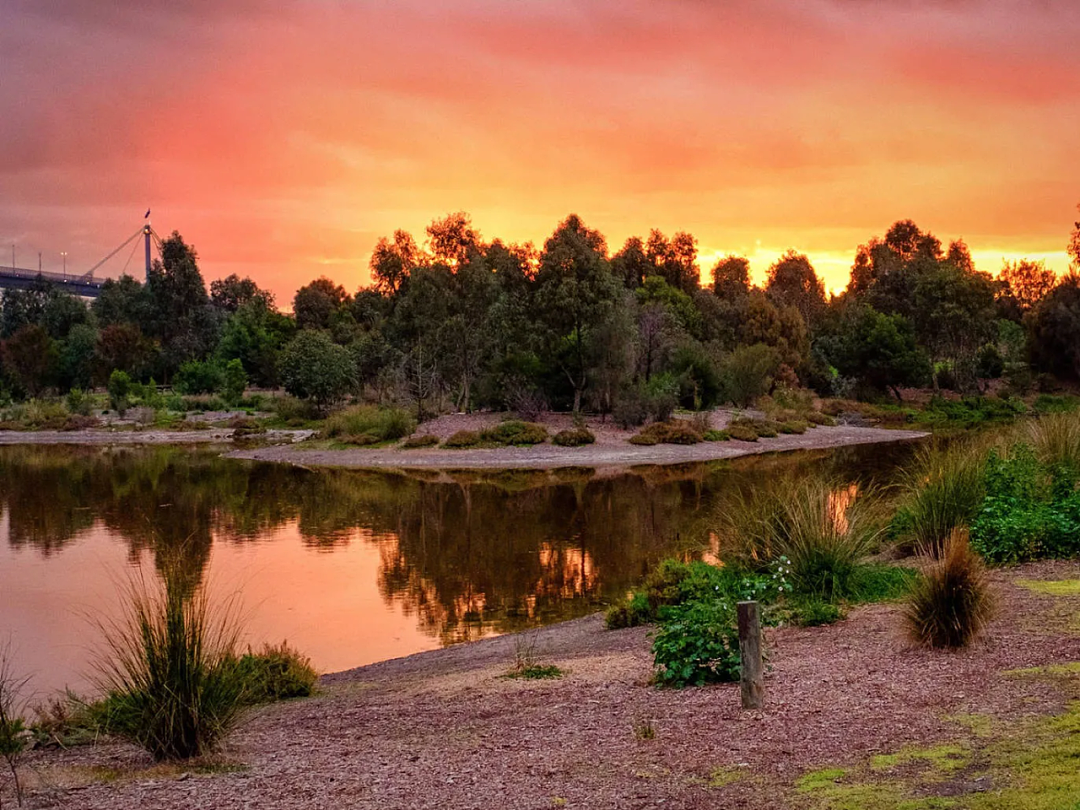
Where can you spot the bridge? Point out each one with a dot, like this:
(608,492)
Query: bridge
(84,284)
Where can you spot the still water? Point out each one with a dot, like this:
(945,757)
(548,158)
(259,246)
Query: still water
(349,566)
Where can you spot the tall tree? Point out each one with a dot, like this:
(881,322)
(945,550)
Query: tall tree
(793,282)
(453,240)
(232,292)
(315,304)
(1026,282)
(575,294)
(731,277)
(393,260)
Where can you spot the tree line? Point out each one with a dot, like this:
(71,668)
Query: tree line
(460,322)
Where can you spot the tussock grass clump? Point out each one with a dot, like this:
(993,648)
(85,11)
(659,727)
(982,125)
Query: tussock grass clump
(573,437)
(950,606)
(796,426)
(674,431)
(817,418)
(463,438)
(169,671)
(420,440)
(824,530)
(380,424)
(713,435)
(515,432)
(274,673)
(292,411)
(1055,438)
(941,492)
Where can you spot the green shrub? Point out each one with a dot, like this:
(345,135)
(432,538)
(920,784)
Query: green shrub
(378,424)
(813,612)
(794,426)
(175,402)
(314,367)
(742,433)
(635,611)
(716,435)
(463,438)
(675,431)
(233,382)
(119,387)
(574,437)
(1055,403)
(79,402)
(514,432)
(198,377)
(420,440)
(294,411)
(748,372)
(697,644)
(274,673)
(951,605)
(169,674)
(1031,509)
(818,418)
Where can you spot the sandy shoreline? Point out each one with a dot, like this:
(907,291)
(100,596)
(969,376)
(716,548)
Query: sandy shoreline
(546,456)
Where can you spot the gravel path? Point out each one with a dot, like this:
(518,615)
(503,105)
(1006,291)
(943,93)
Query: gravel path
(444,729)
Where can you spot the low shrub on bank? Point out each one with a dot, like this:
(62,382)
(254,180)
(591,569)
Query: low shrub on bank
(274,673)
(794,426)
(950,606)
(573,437)
(674,431)
(463,438)
(375,423)
(418,440)
(515,432)
(816,418)
(713,435)
(742,433)
(698,643)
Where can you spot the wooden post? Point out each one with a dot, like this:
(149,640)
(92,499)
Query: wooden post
(753,682)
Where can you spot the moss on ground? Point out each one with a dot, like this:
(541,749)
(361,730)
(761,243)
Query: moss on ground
(1033,765)
(724,776)
(1052,587)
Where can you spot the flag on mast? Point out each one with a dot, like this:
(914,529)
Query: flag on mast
(147,214)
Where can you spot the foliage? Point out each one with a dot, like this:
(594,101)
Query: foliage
(463,438)
(573,437)
(119,388)
(418,440)
(198,377)
(274,673)
(378,424)
(716,435)
(793,426)
(941,491)
(14,735)
(233,381)
(748,372)
(1031,508)
(951,605)
(675,431)
(698,643)
(314,367)
(824,530)
(742,433)
(514,432)
(169,671)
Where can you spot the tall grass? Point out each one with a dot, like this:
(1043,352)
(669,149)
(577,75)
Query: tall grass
(950,606)
(169,670)
(824,529)
(377,424)
(13,736)
(1055,438)
(941,492)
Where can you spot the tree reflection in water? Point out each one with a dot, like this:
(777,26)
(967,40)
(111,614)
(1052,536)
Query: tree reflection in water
(464,552)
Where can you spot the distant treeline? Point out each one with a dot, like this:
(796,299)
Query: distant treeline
(463,323)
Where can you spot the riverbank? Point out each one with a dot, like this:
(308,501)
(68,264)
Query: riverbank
(851,707)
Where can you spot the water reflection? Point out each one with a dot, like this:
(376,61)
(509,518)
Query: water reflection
(361,565)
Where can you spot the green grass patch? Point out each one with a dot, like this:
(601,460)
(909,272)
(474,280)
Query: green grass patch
(1051,587)
(536,672)
(942,759)
(724,776)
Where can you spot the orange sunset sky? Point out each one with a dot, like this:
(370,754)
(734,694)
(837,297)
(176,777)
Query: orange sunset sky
(283,138)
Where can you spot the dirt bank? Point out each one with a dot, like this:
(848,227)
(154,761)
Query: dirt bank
(446,729)
(136,437)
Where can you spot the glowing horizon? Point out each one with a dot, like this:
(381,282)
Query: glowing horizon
(283,141)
